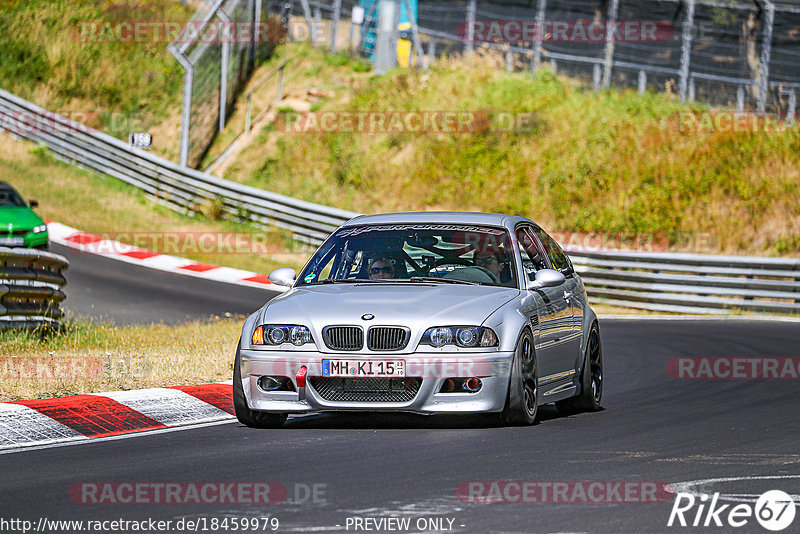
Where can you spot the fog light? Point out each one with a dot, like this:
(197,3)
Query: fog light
(275,383)
(448,386)
(472,385)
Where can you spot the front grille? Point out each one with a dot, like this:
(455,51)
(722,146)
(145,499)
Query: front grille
(387,338)
(366,389)
(343,337)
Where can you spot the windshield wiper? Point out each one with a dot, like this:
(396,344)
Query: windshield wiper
(442,280)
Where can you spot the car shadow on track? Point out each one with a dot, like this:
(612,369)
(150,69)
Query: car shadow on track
(380,420)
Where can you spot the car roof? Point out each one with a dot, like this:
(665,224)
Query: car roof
(439,217)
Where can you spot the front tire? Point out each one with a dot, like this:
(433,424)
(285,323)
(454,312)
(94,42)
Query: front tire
(522,402)
(246,416)
(591,393)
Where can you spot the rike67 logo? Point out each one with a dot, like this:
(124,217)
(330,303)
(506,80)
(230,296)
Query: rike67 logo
(774,510)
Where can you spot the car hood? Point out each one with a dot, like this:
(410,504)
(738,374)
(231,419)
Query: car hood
(417,306)
(20,217)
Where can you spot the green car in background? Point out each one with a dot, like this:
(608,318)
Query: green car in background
(19,225)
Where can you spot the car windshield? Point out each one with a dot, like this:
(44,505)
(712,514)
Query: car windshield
(446,253)
(10,199)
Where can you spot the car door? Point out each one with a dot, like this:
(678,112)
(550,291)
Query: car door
(553,313)
(570,292)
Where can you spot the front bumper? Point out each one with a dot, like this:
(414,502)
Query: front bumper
(492,368)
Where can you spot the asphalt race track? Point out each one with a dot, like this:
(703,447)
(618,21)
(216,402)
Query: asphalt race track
(122,293)
(653,428)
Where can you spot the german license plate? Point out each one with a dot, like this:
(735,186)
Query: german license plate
(364,368)
(11,241)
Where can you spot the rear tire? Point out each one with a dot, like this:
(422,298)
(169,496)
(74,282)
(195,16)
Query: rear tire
(522,402)
(246,416)
(591,384)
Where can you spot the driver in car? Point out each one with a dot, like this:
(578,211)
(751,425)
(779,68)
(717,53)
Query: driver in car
(381,269)
(494,262)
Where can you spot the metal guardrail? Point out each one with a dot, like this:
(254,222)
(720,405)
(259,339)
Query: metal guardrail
(30,288)
(691,283)
(180,188)
(682,283)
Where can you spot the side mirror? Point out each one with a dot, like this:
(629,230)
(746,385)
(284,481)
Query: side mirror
(285,276)
(547,278)
(33,203)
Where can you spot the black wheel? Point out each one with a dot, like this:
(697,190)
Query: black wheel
(244,414)
(591,384)
(522,402)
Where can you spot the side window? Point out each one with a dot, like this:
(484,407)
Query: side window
(533,258)
(558,257)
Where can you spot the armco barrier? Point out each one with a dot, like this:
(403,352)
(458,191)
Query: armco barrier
(181,188)
(30,288)
(682,283)
(691,283)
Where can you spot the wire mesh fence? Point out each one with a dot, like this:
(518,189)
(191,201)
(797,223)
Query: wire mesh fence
(727,53)
(218,50)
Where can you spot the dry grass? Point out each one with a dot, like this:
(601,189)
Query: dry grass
(91,357)
(588,162)
(106,206)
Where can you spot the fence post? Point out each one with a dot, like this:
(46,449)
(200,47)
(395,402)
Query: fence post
(597,75)
(642,82)
(692,89)
(431,51)
(766,51)
(613,8)
(280,84)
(256,33)
(317,23)
(312,32)
(553,66)
(509,64)
(537,43)
(470,34)
(248,116)
(186,111)
(386,37)
(337,13)
(791,111)
(739,98)
(686,50)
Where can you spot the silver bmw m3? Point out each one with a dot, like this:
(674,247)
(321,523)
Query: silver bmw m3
(425,313)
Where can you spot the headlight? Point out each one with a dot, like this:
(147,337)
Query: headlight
(277,334)
(39,229)
(461,336)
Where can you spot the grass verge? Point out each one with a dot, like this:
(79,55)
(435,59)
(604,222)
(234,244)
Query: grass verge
(70,56)
(90,357)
